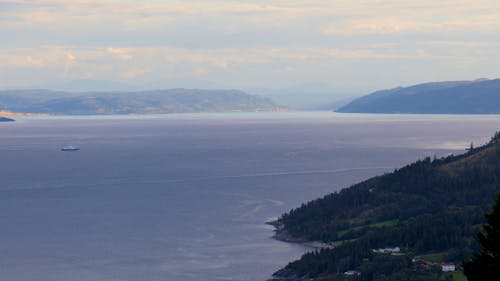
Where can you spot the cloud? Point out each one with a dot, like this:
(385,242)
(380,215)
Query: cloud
(232,40)
(34,62)
(359,28)
(223,24)
(133,73)
(70,58)
(182,62)
(119,53)
(25,61)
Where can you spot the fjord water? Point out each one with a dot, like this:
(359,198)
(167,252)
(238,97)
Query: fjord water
(185,197)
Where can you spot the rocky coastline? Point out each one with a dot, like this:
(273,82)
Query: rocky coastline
(281,234)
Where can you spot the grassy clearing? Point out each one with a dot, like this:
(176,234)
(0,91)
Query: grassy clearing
(384,223)
(340,242)
(437,257)
(458,276)
(373,225)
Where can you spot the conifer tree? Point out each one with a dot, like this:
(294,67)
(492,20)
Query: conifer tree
(485,264)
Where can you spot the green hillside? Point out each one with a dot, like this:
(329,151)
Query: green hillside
(431,208)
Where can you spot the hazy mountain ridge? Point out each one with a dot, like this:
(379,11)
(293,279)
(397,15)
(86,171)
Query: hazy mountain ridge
(140,102)
(430,207)
(453,97)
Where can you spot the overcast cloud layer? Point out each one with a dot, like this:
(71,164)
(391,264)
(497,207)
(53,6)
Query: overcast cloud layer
(343,45)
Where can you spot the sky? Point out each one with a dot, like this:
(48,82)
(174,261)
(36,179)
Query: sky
(336,46)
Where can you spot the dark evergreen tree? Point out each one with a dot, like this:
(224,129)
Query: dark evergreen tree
(485,264)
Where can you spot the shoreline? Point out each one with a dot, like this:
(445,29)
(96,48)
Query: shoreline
(280,234)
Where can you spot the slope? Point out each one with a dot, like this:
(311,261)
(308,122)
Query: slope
(430,206)
(460,97)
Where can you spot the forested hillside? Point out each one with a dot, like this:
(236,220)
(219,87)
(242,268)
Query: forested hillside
(431,207)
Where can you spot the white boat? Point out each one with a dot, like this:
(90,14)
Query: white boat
(69,148)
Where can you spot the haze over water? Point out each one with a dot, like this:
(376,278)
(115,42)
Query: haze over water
(185,197)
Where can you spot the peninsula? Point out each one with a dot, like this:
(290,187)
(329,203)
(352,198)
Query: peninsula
(406,223)
(5,119)
(480,96)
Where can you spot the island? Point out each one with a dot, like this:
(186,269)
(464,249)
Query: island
(47,102)
(5,119)
(480,96)
(416,223)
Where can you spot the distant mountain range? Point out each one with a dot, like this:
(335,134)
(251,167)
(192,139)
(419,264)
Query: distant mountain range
(480,96)
(139,102)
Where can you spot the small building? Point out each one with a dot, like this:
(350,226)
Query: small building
(448,266)
(352,273)
(387,250)
(420,265)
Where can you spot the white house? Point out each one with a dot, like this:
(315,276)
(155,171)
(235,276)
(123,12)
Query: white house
(447,266)
(352,273)
(387,250)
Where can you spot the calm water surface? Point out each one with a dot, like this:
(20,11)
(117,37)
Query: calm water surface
(185,197)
